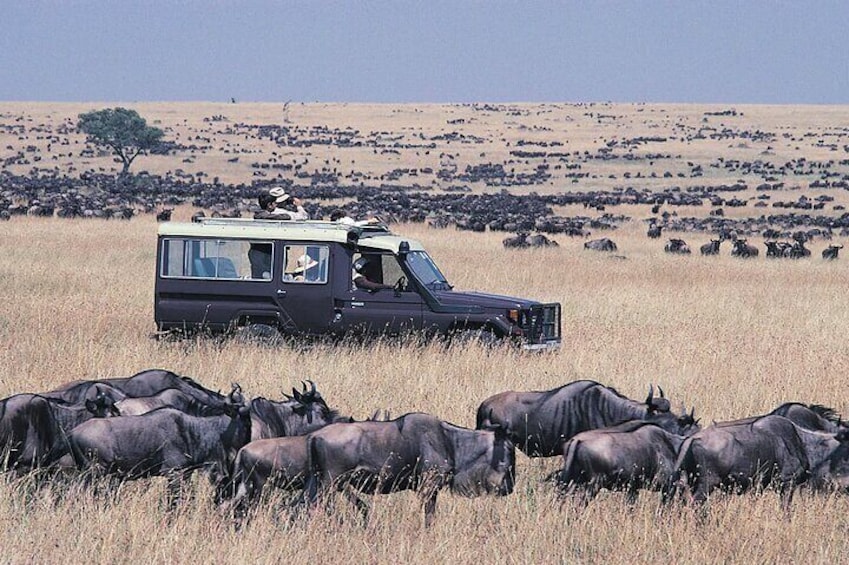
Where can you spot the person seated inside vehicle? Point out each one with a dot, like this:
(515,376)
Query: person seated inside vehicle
(306,269)
(367,274)
(259,256)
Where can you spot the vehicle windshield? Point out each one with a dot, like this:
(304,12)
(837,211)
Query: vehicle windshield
(426,271)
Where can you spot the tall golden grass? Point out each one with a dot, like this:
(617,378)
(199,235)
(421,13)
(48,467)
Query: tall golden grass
(730,337)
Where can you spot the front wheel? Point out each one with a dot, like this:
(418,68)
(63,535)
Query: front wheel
(480,336)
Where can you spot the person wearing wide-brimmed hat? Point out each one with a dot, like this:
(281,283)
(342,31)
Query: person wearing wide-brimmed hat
(305,269)
(288,207)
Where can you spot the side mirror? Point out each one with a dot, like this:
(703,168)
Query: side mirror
(403,248)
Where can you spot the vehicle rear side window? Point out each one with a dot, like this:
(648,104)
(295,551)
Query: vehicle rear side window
(216,259)
(306,263)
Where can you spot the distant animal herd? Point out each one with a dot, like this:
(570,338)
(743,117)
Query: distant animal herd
(158,423)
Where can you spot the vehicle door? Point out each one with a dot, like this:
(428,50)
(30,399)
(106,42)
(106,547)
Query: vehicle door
(304,292)
(387,310)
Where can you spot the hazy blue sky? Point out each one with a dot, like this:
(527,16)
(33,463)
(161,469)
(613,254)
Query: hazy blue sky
(429,51)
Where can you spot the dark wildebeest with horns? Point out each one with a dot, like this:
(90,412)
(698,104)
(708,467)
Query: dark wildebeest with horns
(678,246)
(539,422)
(34,429)
(603,244)
(414,452)
(145,383)
(743,249)
(299,414)
(629,456)
(776,249)
(830,253)
(750,454)
(654,231)
(711,248)
(165,442)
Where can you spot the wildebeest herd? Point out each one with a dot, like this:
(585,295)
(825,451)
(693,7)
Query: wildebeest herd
(158,423)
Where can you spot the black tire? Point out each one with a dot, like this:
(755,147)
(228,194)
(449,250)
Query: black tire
(481,336)
(263,333)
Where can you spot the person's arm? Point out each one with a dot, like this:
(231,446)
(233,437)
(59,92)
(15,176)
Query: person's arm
(301,214)
(365,284)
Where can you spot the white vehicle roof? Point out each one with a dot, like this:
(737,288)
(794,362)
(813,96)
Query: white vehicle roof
(375,237)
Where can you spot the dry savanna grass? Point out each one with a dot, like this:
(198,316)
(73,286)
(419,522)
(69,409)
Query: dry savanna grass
(730,337)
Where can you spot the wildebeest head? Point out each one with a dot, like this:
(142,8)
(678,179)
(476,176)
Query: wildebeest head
(102,406)
(659,412)
(484,463)
(301,413)
(657,404)
(308,403)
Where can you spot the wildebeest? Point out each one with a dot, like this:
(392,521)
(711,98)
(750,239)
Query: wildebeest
(299,414)
(168,398)
(540,422)
(776,249)
(751,454)
(797,250)
(603,244)
(711,248)
(539,240)
(145,383)
(519,241)
(654,231)
(33,429)
(280,462)
(414,452)
(629,456)
(830,253)
(677,246)
(814,417)
(743,249)
(165,442)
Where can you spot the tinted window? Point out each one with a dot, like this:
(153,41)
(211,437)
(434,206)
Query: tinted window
(216,259)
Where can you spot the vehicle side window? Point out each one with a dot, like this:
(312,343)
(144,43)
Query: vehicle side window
(306,263)
(216,259)
(380,267)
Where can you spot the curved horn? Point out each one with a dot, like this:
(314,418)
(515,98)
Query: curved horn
(661,392)
(286,396)
(312,387)
(650,397)
(304,386)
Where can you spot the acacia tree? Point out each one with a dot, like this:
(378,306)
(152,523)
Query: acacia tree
(121,129)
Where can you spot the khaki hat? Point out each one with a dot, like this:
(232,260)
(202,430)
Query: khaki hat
(279,193)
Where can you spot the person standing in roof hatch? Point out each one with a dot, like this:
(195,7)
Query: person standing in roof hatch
(288,207)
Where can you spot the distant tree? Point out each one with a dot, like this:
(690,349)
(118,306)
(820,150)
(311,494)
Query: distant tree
(123,130)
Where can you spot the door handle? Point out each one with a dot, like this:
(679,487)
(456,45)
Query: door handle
(281,292)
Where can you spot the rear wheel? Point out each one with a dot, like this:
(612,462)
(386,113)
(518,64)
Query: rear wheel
(263,333)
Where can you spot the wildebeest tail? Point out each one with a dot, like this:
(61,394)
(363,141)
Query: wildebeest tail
(680,478)
(570,475)
(311,485)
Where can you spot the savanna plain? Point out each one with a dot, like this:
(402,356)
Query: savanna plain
(729,337)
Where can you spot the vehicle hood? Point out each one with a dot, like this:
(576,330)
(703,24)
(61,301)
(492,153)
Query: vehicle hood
(482,299)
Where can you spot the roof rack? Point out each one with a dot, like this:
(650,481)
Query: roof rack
(296,224)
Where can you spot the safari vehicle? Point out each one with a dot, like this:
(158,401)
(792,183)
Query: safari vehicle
(296,278)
